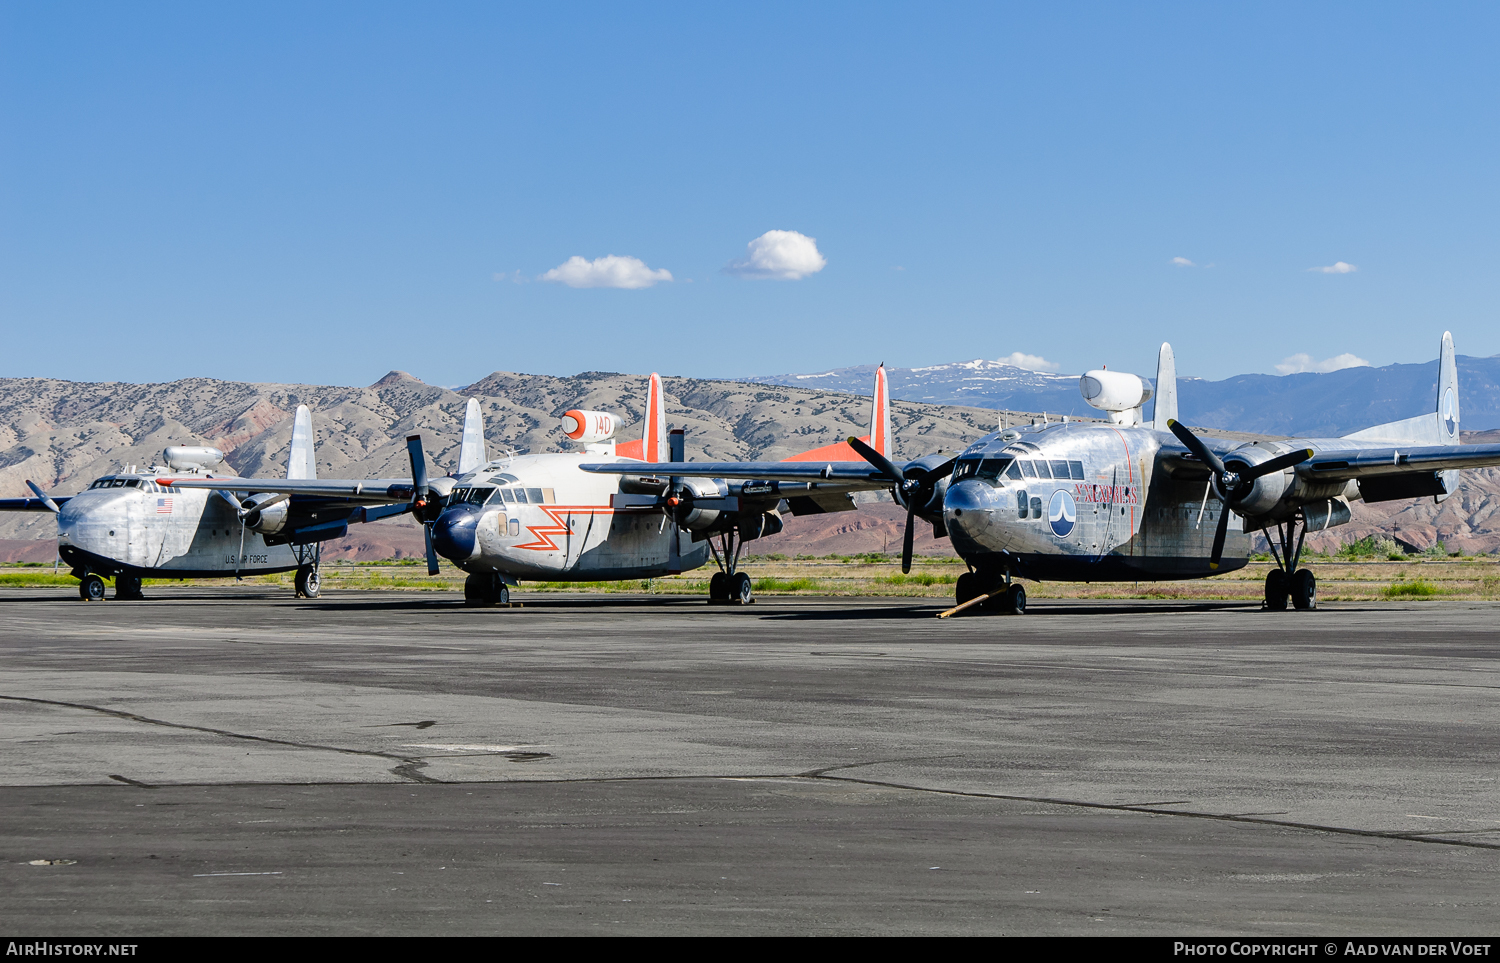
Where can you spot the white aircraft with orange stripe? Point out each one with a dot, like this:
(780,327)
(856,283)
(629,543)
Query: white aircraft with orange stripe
(541,517)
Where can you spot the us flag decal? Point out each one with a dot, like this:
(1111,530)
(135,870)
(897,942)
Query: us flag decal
(164,506)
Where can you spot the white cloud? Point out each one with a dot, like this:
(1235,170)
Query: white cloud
(611,271)
(1337,267)
(1183,262)
(1031,362)
(779,256)
(1298,363)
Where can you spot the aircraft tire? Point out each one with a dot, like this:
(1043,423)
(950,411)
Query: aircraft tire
(91,588)
(967,588)
(740,588)
(308,583)
(128,587)
(1015,600)
(1276,590)
(718,587)
(1304,589)
(477,589)
(501,593)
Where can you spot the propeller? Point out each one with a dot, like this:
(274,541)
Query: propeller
(915,484)
(1232,486)
(51,505)
(243,512)
(421,494)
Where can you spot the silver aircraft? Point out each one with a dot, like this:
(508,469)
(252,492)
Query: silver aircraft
(1131,500)
(536,516)
(184,520)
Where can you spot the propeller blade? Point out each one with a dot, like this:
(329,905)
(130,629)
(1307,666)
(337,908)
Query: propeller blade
(418,466)
(1279,463)
(239,506)
(241,555)
(432,559)
(1195,446)
(1219,533)
(51,505)
(911,512)
(886,466)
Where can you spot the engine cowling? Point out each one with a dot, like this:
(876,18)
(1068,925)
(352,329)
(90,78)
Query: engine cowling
(268,520)
(689,515)
(588,427)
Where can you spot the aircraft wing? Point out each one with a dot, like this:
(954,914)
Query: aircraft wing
(29,504)
(850,475)
(1371,462)
(359,489)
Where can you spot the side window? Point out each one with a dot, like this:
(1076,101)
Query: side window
(518,495)
(1036,508)
(1075,468)
(534,495)
(1060,471)
(515,527)
(1041,469)
(1021,502)
(549,496)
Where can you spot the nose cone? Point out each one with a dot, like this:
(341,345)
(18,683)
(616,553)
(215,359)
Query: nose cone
(453,534)
(967,510)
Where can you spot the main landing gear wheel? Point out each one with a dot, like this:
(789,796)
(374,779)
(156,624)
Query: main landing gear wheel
(740,589)
(128,587)
(968,587)
(91,588)
(309,582)
(1015,600)
(1276,590)
(1304,589)
(718,587)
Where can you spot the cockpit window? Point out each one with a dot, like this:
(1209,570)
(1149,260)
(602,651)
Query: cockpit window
(1014,471)
(470,496)
(1042,471)
(1028,470)
(992,468)
(1060,470)
(965,468)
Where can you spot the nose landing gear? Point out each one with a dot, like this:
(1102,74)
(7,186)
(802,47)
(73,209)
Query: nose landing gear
(485,588)
(1286,580)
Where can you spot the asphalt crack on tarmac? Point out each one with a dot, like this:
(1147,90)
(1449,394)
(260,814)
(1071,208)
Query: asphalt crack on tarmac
(1412,837)
(407,767)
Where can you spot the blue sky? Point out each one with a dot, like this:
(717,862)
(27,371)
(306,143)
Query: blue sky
(323,192)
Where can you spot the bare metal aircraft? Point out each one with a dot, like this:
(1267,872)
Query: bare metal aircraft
(1131,500)
(168,522)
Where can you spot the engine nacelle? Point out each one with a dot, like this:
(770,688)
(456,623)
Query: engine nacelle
(1266,491)
(588,427)
(268,520)
(689,515)
(186,458)
(1114,390)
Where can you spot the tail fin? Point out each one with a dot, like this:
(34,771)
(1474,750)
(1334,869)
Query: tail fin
(879,437)
(471,452)
(1166,389)
(653,444)
(300,461)
(1440,427)
(880,416)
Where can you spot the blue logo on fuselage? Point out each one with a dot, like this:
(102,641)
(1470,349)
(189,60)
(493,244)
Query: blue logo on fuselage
(1062,514)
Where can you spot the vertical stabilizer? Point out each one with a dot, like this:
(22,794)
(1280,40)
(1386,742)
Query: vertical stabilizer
(1166,389)
(654,429)
(300,462)
(1447,393)
(471,452)
(880,416)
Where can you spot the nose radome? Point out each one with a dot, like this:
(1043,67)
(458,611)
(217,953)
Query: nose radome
(453,534)
(967,504)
